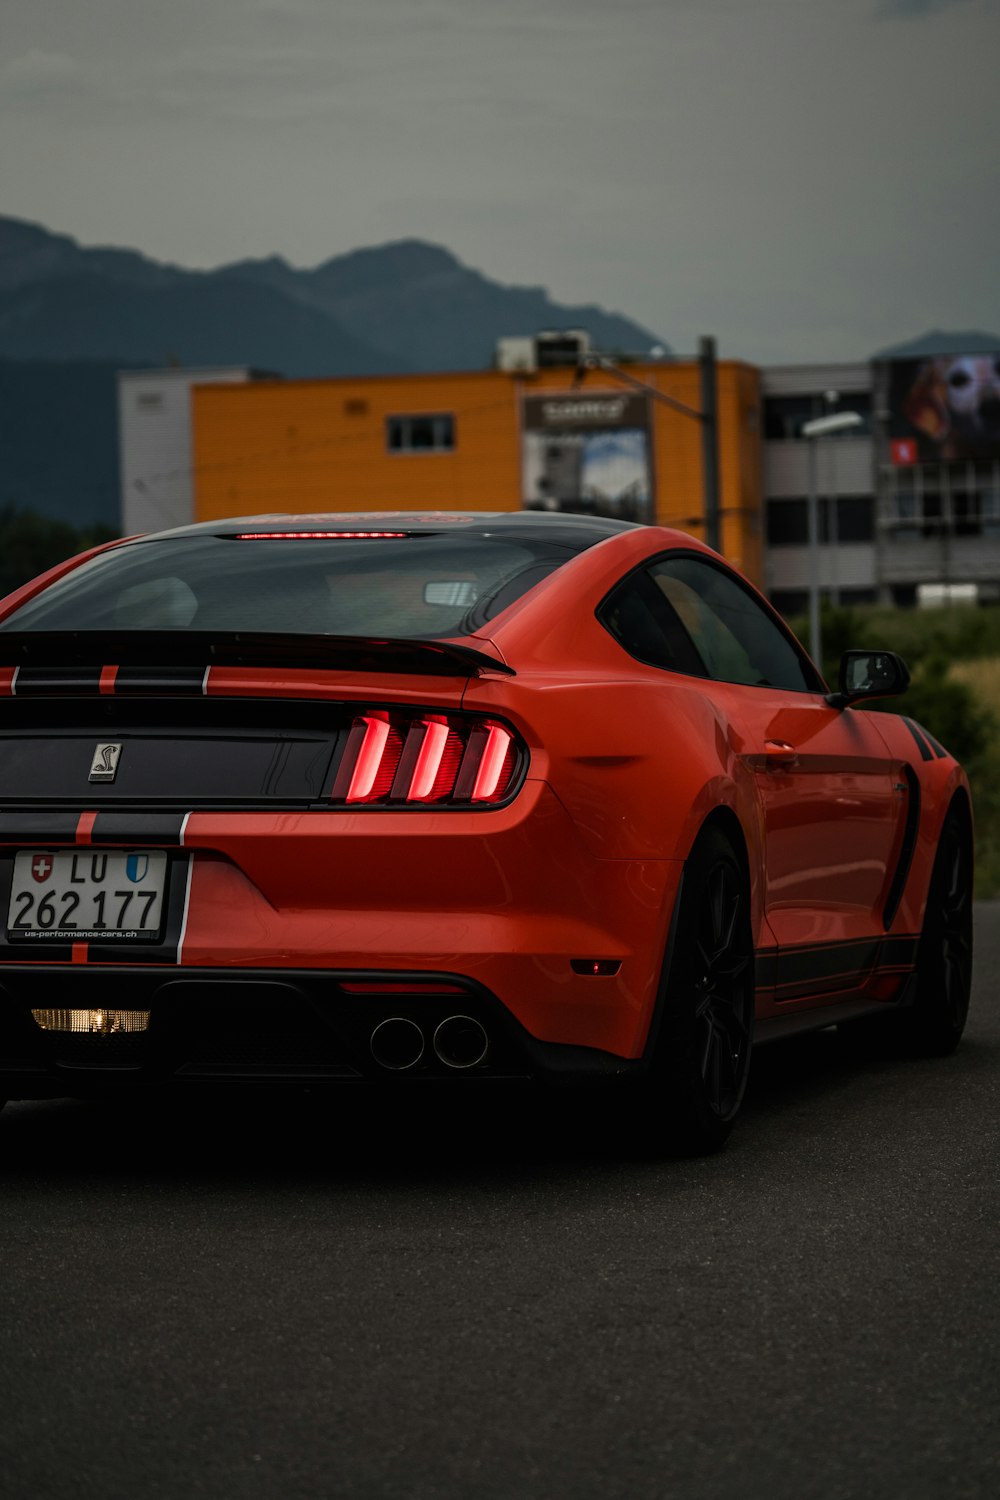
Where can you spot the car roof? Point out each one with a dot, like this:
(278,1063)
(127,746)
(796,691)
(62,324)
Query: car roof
(568,530)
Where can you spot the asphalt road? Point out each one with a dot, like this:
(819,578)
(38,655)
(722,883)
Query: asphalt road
(323,1300)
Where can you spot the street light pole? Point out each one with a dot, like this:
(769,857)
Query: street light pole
(841,421)
(815,639)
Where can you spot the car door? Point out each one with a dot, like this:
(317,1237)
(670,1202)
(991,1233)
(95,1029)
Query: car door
(831,811)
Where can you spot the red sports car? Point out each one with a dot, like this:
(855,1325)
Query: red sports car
(419,797)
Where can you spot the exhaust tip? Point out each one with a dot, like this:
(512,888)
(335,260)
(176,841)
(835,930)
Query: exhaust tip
(397,1044)
(461,1042)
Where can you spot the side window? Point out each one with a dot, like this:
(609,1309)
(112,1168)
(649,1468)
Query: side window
(734,636)
(642,620)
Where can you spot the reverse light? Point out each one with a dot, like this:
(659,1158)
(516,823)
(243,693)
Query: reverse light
(93,1022)
(393,759)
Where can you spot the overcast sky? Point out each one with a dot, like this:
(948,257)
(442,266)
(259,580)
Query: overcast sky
(806,179)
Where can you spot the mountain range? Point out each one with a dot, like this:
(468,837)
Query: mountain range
(72,316)
(403,306)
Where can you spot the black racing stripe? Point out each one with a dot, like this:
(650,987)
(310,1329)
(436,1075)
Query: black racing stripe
(765,968)
(907,845)
(816,989)
(160,829)
(901,951)
(815,969)
(38,827)
(27,951)
(164,681)
(926,753)
(936,746)
(814,965)
(48,682)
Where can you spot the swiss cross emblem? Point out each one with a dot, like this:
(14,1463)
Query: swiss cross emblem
(41,867)
(903,450)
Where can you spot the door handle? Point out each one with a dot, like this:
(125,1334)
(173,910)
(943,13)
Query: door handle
(778,753)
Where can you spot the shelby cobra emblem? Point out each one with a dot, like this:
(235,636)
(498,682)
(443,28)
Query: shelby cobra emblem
(105,763)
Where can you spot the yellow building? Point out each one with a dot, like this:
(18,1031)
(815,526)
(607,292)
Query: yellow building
(484,440)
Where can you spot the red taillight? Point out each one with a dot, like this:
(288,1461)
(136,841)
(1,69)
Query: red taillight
(489,774)
(311,536)
(428,762)
(391,759)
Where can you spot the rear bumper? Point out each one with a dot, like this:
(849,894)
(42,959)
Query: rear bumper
(512,900)
(260,1026)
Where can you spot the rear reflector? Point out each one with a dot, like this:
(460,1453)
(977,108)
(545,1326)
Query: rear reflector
(385,987)
(391,759)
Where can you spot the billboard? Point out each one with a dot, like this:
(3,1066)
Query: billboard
(587,453)
(945,407)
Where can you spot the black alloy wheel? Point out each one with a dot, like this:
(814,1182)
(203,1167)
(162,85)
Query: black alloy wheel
(933,1025)
(702,1057)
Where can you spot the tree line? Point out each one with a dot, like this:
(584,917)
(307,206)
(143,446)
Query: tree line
(30,543)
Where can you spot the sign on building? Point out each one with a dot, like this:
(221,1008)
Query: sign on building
(944,408)
(589,453)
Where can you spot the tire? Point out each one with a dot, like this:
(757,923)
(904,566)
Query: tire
(701,1060)
(932,1026)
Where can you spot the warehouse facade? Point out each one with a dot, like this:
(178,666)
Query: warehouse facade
(907,501)
(554,438)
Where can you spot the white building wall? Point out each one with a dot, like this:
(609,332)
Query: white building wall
(154,435)
(845,466)
(852,565)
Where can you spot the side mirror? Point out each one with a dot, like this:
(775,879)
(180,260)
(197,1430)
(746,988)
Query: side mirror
(870,674)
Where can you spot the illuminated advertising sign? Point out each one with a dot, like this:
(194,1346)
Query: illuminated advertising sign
(587,452)
(944,408)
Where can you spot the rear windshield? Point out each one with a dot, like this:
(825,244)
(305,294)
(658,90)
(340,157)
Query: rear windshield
(423,585)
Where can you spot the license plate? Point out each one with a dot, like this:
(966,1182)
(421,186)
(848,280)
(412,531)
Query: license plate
(82,895)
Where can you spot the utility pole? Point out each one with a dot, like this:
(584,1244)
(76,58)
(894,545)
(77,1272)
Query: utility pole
(709,439)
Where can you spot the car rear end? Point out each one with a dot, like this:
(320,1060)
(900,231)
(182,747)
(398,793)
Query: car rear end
(245,835)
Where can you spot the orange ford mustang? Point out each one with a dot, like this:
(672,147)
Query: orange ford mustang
(450,795)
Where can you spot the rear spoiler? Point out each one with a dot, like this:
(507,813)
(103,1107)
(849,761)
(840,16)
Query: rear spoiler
(58,657)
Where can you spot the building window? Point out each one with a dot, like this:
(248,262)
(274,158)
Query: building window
(855,518)
(149,401)
(788,521)
(957,499)
(784,415)
(430,432)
